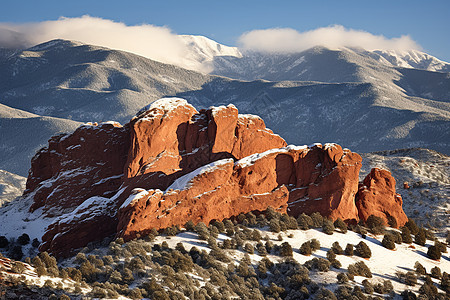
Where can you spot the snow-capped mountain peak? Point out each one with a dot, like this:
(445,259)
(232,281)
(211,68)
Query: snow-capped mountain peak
(414,59)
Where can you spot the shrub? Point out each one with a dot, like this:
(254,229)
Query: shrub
(328,227)
(269,246)
(340,224)
(171,231)
(274,225)
(305,222)
(359,269)
(436,272)
(348,250)
(441,246)
(35,243)
(413,228)
(331,255)
(315,244)
(363,250)
(420,269)
(410,278)
(368,287)
(342,278)
(336,264)
(325,294)
(428,289)
(317,220)
(408,295)
(286,249)
(202,231)
(388,241)
(434,253)
(406,235)
(189,225)
(290,222)
(18,267)
(445,282)
(16,252)
(24,239)
(262,251)
(384,288)
(375,224)
(337,248)
(397,236)
(320,264)
(392,221)
(305,248)
(420,238)
(3,242)
(249,248)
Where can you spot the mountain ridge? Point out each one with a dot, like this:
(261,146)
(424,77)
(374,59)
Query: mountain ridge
(78,82)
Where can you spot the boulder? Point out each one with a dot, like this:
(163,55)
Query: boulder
(376,196)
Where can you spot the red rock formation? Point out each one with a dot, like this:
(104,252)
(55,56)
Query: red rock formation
(179,164)
(164,142)
(212,192)
(327,182)
(74,167)
(171,139)
(377,196)
(323,179)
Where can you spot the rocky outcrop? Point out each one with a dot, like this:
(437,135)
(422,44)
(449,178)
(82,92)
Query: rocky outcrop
(317,178)
(172,164)
(74,167)
(212,192)
(377,196)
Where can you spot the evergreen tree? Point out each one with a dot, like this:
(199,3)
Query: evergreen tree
(363,250)
(348,250)
(420,237)
(388,241)
(286,249)
(434,253)
(406,235)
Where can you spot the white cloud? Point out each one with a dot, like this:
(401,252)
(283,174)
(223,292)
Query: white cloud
(158,43)
(287,40)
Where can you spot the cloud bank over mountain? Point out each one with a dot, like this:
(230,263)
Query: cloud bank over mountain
(288,40)
(158,43)
(161,44)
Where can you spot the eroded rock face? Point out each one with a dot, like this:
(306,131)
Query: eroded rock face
(74,167)
(212,192)
(318,178)
(172,164)
(377,196)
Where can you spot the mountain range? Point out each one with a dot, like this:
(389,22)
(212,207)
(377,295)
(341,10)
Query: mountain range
(364,100)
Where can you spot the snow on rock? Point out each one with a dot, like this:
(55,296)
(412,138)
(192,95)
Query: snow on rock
(185,181)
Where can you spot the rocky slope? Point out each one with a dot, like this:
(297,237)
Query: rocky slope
(11,186)
(172,164)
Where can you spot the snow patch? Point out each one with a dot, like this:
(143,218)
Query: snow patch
(184,182)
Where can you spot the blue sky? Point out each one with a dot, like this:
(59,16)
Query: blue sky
(426,22)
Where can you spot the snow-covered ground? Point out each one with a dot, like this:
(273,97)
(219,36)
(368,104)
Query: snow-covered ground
(384,263)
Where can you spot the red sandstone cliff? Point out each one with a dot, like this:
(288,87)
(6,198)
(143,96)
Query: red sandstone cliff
(172,164)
